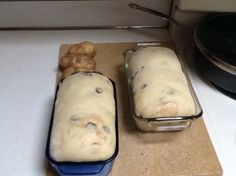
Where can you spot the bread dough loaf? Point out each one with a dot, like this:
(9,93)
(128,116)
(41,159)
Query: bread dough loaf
(159,86)
(84,119)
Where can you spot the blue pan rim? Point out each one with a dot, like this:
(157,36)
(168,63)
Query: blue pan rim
(69,163)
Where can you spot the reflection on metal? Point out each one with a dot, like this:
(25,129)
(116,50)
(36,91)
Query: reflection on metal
(77,27)
(162,15)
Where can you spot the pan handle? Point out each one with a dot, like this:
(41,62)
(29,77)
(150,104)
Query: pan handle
(162,15)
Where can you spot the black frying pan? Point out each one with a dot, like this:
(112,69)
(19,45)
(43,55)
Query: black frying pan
(215,47)
(215,53)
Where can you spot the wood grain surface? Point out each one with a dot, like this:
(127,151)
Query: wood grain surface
(186,153)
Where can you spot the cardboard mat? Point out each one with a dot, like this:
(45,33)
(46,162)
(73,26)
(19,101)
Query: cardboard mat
(185,153)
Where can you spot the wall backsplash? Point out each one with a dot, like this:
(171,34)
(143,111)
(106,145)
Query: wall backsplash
(80,13)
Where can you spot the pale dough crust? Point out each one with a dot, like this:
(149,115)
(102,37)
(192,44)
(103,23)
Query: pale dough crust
(159,86)
(84,119)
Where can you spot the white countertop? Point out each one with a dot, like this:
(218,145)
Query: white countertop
(28,63)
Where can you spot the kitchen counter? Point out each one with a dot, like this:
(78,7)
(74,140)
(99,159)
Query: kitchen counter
(28,67)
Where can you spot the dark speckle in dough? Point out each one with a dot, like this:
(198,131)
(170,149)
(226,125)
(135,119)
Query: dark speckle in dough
(88,74)
(98,90)
(143,86)
(91,125)
(106,129)
(75,118)
(171,92)
(142,67)
(133,76)
(96,143)
(168,91)
(161,99)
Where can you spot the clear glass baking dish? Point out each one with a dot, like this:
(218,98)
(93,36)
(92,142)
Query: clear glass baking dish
(96,168)
(171,123)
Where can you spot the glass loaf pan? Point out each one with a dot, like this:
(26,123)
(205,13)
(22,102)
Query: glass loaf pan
(171,123)
(96,168)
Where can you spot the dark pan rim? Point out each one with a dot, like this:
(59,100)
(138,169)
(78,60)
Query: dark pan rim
(207,53)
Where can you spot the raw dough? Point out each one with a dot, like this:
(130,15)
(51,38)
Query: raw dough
(84,119)
(159,86)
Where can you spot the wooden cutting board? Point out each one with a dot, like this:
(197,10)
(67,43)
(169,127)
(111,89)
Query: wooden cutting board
(185,153)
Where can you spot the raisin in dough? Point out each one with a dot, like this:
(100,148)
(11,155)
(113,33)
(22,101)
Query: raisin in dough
(84,119)
(159,86)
